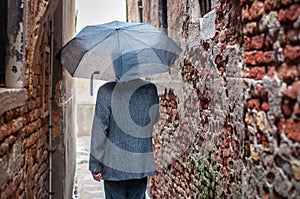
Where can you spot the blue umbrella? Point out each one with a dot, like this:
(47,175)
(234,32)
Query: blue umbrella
(119,50)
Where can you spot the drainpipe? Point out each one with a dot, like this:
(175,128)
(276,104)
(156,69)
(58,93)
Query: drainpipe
(50,111)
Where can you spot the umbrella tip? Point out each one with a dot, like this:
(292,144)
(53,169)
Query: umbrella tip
(117,25)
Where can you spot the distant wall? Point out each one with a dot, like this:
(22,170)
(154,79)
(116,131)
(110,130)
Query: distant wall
(85,104)
(229,125)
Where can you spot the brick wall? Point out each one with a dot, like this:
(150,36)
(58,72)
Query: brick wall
(234,130)
(24,160)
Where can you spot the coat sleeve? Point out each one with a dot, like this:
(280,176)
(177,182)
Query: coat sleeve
(156,101)
(99,130)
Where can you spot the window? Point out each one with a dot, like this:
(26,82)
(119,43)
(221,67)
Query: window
(163,15)
(205,6)
(140,8)
(11,97)
(3,40)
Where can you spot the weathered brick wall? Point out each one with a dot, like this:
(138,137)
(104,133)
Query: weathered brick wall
(271,89)
(234,131)
(24,163)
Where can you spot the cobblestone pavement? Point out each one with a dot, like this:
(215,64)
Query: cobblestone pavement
(85,187)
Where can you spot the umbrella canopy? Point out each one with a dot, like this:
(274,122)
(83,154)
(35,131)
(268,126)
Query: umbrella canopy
(119,50)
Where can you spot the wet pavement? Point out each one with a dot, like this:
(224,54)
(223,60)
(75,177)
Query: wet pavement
(85,187)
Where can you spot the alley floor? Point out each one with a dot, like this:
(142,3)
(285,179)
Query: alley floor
(85,187)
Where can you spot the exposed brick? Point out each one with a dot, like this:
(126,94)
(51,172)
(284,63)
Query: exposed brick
(269,42)
(293,90)
(288,73)
(286,2)
(259,57)
(245,14)
(253,104)
(292,52)
(5,131)
(289,15)
(296,109)
(256,10)
(292,129)
(17,124)
(257,73)
(271,72)
(267,57)
(250,58)
(250,28)
(265,106)
(247,43)
(269,5)
(37,69)
(287,109)
(257,42)
(36,80)
(293,36)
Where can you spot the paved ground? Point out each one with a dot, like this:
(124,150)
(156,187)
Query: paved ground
(85,187)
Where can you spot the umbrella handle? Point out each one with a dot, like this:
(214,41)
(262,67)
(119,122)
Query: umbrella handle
(92,81)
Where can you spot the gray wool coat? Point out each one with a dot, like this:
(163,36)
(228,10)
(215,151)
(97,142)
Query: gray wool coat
(121,141)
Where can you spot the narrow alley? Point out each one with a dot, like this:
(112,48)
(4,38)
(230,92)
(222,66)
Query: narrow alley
(229,106)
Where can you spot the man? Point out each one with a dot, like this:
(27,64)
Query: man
(121,143)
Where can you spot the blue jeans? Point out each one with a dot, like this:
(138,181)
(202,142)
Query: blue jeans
(125,189)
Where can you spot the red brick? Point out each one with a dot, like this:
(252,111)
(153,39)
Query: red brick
(259,57)
(272,72)
(5,131)
(247,43)
(287,110)
(260,90)
(265,106)
(289,15)
(293,36)
(281,124)
(292,52)
(257,73)
(269,57)
(264,141)
(269,41)
(257,10)
(293,90)
(257,42)
(286,2)
(253,104)
(17,124)
(288,73)
(292,129)
(250,58)
(269,5)
(250,28)
(245,14)
(296,110)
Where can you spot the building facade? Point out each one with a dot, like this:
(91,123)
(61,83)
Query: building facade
(37,148)
(230,116)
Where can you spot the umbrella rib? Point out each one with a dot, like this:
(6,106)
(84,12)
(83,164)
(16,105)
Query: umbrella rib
(136,39)
(109,35)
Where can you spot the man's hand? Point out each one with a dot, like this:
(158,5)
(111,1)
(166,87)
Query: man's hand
(97,176)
